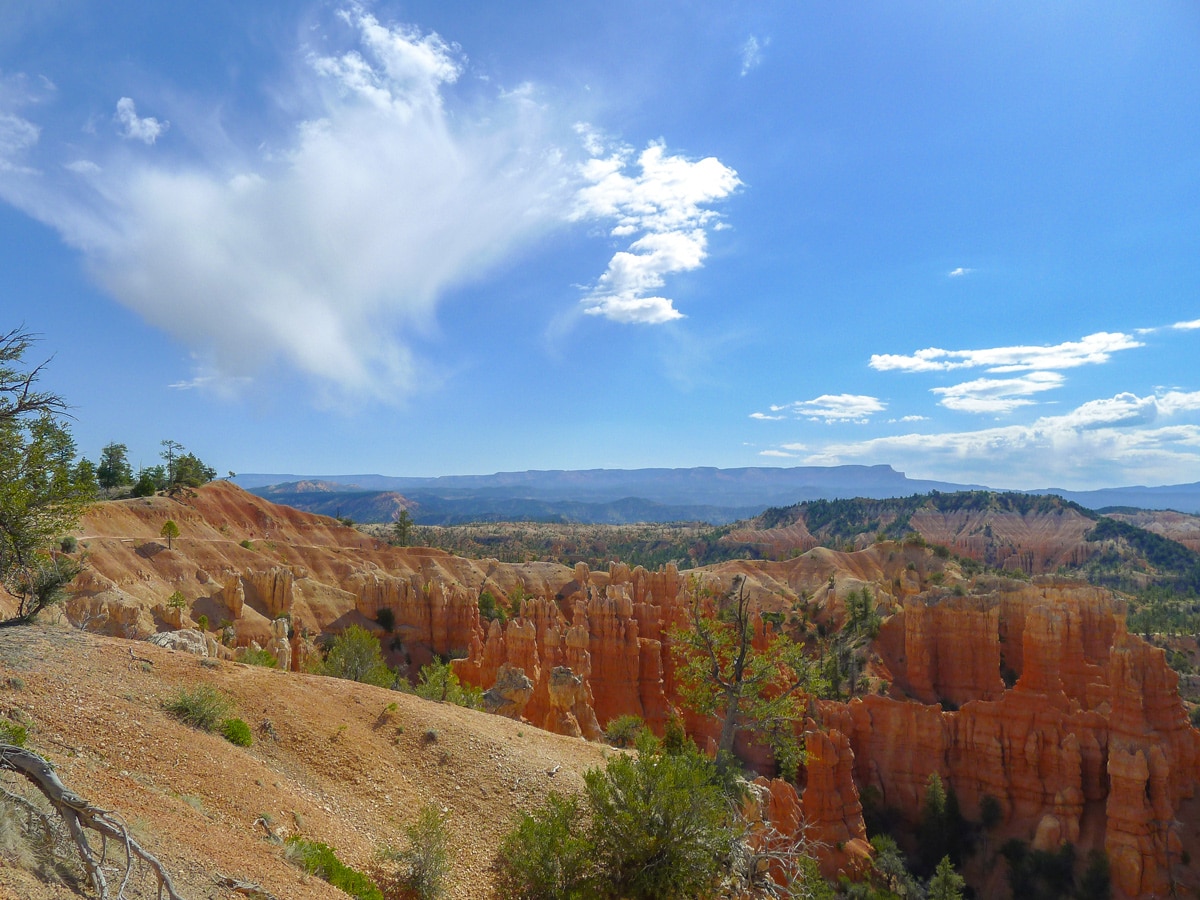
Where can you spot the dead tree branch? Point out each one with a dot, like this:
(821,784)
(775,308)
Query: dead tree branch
(79,816)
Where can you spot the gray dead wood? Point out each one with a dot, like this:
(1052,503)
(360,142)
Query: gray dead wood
(79,816)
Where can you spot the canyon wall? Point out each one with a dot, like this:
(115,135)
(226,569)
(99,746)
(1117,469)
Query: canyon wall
(1029,692)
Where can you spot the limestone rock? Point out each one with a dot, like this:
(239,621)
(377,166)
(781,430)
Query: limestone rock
(186,641)
(510,694)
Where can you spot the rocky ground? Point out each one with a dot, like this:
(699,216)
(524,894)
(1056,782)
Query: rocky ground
(331,760)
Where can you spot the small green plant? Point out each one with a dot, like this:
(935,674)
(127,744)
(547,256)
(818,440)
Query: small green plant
(202,707)
(246,543)
(623,730)
(202,621)
(264,658)
(176,600)
(69,544)
(491,609)
(237,732)
(421,870)
(1194,716)
(319,859)
(437,681)
(355,655)
(547,855)
(13,733)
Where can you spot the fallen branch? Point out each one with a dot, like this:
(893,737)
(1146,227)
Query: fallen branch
(141,659)
(249,888)
(79,816)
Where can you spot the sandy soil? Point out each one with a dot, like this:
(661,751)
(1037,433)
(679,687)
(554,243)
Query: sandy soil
(331,760)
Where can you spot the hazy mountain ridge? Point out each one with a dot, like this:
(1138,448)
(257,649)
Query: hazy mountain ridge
(624,496)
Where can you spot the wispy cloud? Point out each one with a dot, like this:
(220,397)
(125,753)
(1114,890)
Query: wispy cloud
(959,272)
(1187,326)
(667,203)
(752,51)
(828,408)
(1101,442)
(997,395)
(133,127)
(328,250)
(1090,350)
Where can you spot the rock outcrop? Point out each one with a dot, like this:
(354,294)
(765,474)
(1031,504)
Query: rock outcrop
(1029,692)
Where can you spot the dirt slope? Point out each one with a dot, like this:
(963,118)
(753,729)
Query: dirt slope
(328,761)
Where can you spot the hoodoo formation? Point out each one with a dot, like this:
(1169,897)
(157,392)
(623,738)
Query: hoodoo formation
(1030,692)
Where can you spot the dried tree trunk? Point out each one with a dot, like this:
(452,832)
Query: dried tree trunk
(79,816)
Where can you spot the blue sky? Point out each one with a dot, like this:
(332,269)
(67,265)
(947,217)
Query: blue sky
(452,238)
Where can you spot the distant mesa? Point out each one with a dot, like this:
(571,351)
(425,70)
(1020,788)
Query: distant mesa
(624,496)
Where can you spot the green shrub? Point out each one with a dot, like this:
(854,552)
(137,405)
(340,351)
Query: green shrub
(263,658)
(355,655)
(69,544)
(320,860)
(237,732)
(623,730)
(491,609)
(420,871)
(202,621)
(437,681)
(1194,716)
(660,826)
(13,733)
(202,707)
(246,543)
(548,855)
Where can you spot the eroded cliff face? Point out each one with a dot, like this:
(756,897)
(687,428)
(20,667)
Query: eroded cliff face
(1032,693)
(1091,745)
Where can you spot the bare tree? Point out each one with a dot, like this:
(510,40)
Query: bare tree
(80,817)
(18,393)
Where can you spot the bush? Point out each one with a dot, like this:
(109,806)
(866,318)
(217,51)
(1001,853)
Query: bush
(13,733)
(69,544)
(660,826)
(355,655)
(237,732)
(623,730)
(202,621)
(202,707)
(263,658)
(424,866)
(320,860)
(491,609)
(548,855)
(437,681)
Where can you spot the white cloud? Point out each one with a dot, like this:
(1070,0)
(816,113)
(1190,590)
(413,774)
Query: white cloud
(777,453)
(328,250)
(1093,349)
(752,53)
(82,167)
(147,130)
(667,203)
(908,419)
(17,135)
(829,408)
(1102,442)
(997,395)
(1187,326)
(763,417)
(959,272)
